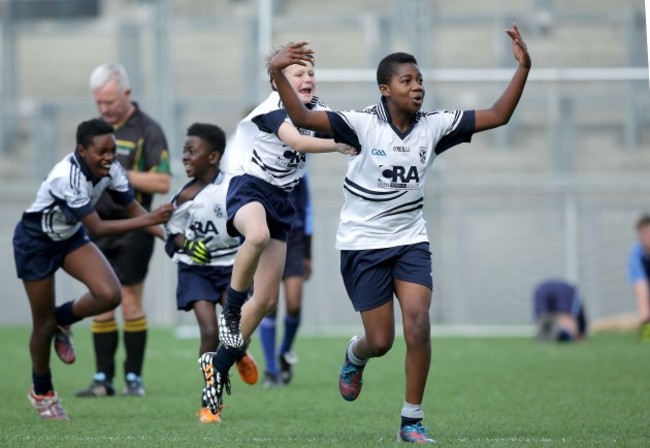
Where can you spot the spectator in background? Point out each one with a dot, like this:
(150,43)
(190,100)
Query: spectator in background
(638,266)
(297,270)
(142,151)
(559,312)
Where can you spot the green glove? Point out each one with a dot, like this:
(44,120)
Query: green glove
(197,251)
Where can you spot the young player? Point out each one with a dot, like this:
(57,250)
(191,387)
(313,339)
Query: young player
(382,234)
(52,235)
(198,242)
(297,270)
(271,152)
(559,312)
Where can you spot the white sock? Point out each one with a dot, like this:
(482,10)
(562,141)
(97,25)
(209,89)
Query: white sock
(412,410)
(351,355)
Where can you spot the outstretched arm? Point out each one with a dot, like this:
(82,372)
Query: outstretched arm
(296,53)
(501,111)
(138,219)
(305,143)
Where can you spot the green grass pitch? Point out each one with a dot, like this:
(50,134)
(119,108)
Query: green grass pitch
(492,392)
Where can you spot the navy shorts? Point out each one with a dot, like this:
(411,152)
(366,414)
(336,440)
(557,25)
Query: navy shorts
(368,274)
(279,211)
(39,257)
(295,266)
(200,283)
(556,297)
(129,254)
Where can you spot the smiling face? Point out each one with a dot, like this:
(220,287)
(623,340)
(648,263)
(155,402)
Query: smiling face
(405,91)
(303,80)
(199,160)
(99,155)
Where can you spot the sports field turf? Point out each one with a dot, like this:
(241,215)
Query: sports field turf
(494,392)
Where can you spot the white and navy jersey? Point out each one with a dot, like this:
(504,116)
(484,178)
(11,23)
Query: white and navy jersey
(384,183)
(69,194)
(204,217)
(257,150)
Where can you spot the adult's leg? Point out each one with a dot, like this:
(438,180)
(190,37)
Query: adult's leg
(135,328)
(415,302)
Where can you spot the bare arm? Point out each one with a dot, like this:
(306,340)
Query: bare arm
(501,111)
(642,299)
(139,218)
(304,143)
(149,182)
(296,53)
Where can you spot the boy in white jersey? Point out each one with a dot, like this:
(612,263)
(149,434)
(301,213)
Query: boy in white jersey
(382,234)
(198,242)
(271,153)
(52,235)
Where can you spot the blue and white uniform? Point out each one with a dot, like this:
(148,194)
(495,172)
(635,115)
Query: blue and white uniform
(258,151)
(266,169)
(53,222)
(203,217)
(384,184)
(382,233)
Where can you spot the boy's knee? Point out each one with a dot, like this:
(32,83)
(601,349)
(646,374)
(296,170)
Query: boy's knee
(379,346)
(258,239)
(110,298)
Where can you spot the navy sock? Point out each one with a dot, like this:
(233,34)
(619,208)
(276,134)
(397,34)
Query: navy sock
(267,338)
(224,359)
(234,300)
(291,324)
(64,314)
(42,384)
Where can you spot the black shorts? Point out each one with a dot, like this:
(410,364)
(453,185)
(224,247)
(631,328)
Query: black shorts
(128,254)
(295,266)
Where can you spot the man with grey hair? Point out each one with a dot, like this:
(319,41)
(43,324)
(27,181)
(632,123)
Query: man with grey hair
(142,150)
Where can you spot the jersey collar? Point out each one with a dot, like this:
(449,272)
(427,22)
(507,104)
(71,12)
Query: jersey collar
(77,160)
(382,111)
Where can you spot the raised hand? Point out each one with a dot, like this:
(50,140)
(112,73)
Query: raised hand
(292,53)
(519,48)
